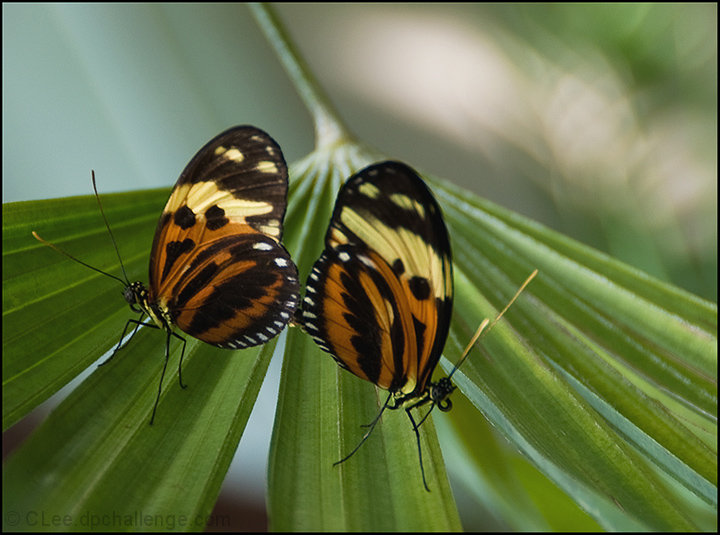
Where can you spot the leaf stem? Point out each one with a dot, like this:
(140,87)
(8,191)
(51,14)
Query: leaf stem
(329,128)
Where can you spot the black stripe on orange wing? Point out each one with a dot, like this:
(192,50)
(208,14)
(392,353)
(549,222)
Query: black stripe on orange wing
(237,292)
(176,250)
(350,311)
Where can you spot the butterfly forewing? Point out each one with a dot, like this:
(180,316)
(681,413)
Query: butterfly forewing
(217,266)
(380,296)
(235,184)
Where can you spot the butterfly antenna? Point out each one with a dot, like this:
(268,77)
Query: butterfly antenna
(38,238)
(485,325)
(117,251)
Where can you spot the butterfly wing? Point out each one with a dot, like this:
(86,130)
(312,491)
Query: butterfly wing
(217,265)
(379,298)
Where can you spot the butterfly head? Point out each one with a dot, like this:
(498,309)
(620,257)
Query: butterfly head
(440,393)
(135,294)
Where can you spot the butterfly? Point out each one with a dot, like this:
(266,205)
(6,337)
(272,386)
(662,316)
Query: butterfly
(379,298)
(218,269)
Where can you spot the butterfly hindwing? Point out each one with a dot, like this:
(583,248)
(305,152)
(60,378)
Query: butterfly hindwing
(237,292)
(380,296)
(360,318)
(217,265)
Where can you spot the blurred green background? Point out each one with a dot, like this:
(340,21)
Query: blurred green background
(598,120)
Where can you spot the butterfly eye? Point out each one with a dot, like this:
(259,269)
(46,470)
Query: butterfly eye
(133,296)
(129,295)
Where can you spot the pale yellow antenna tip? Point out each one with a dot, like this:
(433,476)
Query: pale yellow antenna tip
(485,325)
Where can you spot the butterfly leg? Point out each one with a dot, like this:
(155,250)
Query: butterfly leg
(120,345)
(371,426)
(417,436)
(425,417)
(379,414)
(162,375)
(182,355)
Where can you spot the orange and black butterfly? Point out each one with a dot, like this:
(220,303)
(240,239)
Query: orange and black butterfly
(379,298)
(218,270)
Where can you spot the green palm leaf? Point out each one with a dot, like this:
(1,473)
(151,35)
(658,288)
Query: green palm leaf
(603,378)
